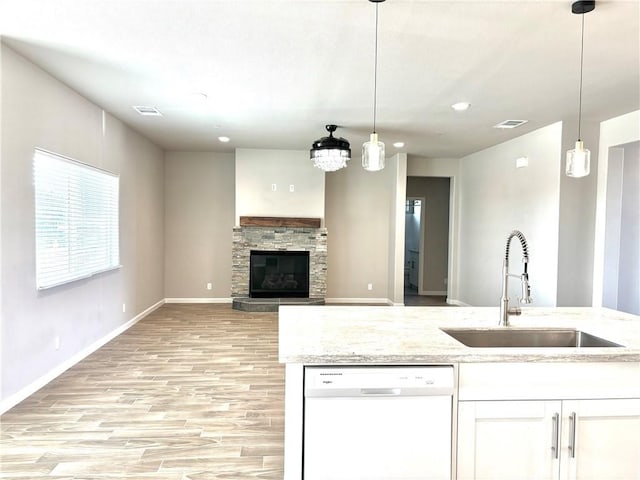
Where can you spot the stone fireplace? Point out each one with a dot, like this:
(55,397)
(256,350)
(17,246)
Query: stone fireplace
(279,234)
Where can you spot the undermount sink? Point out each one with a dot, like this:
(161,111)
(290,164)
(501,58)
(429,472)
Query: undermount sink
(526,338)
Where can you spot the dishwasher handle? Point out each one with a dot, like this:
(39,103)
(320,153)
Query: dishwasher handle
(375,392)
(380,392)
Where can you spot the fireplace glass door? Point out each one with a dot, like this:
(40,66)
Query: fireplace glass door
(279,274)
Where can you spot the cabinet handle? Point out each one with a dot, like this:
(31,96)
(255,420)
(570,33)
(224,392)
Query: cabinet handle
(554,434)
(572,435)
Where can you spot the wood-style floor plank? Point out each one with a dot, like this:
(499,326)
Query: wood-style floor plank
(191,392)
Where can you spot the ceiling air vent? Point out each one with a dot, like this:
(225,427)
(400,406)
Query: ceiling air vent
(152,111)
(510,124)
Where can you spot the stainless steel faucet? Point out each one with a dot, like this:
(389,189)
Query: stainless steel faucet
(505,311)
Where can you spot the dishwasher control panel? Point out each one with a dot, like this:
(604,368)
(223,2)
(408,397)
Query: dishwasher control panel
(360,381)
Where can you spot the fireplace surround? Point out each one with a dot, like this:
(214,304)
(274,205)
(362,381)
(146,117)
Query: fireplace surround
(279,234)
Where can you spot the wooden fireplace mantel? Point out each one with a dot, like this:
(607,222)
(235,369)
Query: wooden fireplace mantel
(292,222)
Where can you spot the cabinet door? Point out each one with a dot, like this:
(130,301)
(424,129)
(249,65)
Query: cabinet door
(507,440)
(601,439)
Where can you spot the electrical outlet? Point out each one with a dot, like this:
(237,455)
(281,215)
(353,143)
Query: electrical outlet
(209,286)
(369,286)
(292,188)
(56,342)
(274,187)
(124,307)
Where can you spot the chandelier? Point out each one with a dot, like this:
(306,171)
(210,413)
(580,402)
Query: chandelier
(330,153)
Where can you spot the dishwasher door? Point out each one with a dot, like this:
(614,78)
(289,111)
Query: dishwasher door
(378,423)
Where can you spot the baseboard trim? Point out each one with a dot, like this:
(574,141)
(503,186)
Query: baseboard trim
(198,300)
(433,292)
(30,389)
(377,301)
(453,301)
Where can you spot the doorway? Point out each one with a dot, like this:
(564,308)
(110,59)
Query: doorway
(427,240)
(622,232)
(413,245)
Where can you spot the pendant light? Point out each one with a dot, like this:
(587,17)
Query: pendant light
(373,150)
(330,153)
(579,159)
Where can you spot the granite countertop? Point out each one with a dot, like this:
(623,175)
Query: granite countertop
(411,335)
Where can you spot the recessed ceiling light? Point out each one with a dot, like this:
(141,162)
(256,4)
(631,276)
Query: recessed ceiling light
(224,139)
(461,106)
(398,144)
(149,111)
(510,124)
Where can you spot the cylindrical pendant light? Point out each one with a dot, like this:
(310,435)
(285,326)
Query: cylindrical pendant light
(373,150)
(579,159)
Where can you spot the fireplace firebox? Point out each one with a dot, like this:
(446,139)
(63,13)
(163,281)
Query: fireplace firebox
(279,274)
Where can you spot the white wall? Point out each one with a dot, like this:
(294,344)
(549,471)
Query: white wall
(396,172)
(621,282)
(199,220)
(258,170)
(39,111)
(577,220)
(496,198)
(614,132)
(358,212)
(629,260)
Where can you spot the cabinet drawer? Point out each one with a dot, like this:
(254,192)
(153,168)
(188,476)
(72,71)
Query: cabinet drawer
(517,381)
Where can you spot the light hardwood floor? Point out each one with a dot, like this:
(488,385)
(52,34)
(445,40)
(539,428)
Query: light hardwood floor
(189,392)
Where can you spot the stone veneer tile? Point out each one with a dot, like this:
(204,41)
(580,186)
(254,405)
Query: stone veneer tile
(313,240)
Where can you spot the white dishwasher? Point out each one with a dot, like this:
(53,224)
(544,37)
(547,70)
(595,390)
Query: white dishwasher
(378,423)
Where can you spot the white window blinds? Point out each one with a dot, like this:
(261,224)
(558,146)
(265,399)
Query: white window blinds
(76,216)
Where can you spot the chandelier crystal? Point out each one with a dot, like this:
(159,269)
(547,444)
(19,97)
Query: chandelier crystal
(330,153)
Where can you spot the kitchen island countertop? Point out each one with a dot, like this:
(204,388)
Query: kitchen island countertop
(328,335)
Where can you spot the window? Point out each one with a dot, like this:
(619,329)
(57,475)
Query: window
(76,215)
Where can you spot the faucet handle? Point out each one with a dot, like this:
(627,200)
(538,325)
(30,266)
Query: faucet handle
(526,289)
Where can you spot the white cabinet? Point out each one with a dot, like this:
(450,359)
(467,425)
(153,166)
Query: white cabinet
(549,439)
(600,439)
(527,421)
(505,440)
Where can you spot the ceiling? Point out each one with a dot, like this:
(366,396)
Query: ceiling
(276,71)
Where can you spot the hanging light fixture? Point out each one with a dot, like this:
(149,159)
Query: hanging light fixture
(373,150)
(579,159)
(330,153)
